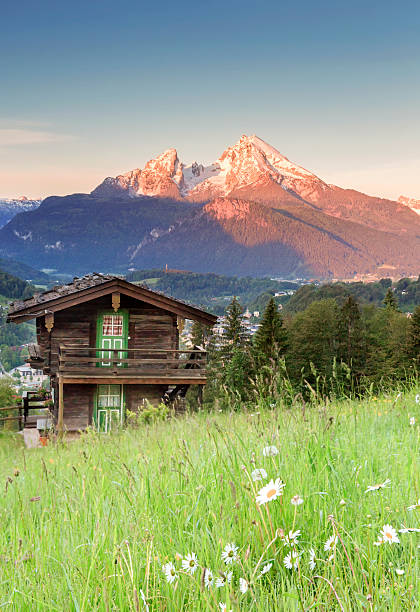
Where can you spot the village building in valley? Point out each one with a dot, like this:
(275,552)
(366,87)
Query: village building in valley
(109,345)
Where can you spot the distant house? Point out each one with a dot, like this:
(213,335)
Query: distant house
(108,345)
(28,376)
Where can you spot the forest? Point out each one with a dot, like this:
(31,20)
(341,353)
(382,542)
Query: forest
(331,349)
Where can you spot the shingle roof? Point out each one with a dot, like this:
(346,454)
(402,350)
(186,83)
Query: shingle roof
(85,282)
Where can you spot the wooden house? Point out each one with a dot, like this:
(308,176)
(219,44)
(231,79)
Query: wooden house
(108,345)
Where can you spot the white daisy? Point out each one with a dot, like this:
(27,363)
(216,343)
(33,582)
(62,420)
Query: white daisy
(291,539)
(190,563)
(271,491)
(243,585)
(412,420)
(270,451)
(223,580)
(230,553)
(258,474)
(414,506)
(291,561)
(208,578)
(389,535)
(170,572)
(376,487)
(417,398)
(379,542)
(400,572)
(312,561)
(331,543)
(296,500)
(342,502)
(267,567)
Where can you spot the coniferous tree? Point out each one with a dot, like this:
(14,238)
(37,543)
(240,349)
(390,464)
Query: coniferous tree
(235,334)
(270,341)
(390,301)
(351,337)
(413,345)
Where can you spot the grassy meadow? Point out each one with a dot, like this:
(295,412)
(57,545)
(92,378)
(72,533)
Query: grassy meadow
(89,524)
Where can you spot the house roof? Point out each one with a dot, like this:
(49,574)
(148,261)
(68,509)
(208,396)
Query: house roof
(95,285)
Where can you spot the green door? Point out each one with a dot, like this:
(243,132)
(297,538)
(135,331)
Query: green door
(108,414)
(112,333)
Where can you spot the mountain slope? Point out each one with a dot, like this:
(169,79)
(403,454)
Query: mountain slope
(237,236)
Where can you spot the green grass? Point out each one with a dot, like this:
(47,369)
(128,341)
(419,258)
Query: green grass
(87,525)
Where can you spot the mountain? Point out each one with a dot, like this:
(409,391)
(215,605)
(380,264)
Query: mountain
(413,204)
(11,207)
(252,211)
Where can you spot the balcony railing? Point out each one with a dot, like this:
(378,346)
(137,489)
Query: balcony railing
(93,362)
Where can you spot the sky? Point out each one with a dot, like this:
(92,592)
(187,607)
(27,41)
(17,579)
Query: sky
(94,89)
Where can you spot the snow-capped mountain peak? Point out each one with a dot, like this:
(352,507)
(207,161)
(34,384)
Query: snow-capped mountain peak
(251,161)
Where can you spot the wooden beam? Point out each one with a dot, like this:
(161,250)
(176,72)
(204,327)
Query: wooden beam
(60,422)
(119,380)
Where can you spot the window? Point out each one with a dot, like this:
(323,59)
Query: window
(109,396)
(112,325)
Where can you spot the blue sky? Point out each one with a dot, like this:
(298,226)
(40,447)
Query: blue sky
(92,89)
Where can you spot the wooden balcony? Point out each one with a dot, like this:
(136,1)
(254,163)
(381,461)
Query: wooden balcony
(131,366)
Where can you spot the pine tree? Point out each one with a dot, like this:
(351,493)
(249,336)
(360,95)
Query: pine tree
(199,334)
(270,341)
(235,334)
(351,336)
(390,301)
(413,345)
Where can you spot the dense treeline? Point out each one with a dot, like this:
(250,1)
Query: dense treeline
(329,349)
(13,287)
(406,290)
(211,291)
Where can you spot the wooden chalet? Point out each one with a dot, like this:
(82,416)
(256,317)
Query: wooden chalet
(108,345)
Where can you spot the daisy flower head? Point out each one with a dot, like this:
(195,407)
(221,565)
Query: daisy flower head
(208,578)
(243,585)
(331,543)
(417,398)
(170,572)
(267,567)
(271,491)
(312,561)
(223,606)
(291,560)
(296,500)
(388,534)
(412,420)
(258,474)
(399,572)
(190,563)
(377,487)
(291,539)
(270,451)
(223,580)
(230,553)
(414,506)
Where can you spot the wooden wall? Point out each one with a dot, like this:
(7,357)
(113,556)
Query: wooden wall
(149,327)
(135,394)
(78,406)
